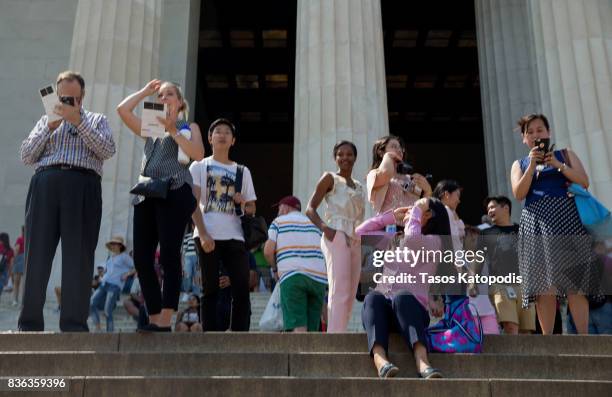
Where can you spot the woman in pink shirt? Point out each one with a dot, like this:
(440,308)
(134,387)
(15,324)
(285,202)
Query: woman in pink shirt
(386,187)
(400,303)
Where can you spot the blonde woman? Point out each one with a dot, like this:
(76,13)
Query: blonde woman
(162,221)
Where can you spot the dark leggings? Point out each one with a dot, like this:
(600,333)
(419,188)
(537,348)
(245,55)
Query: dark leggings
(161,221)
(403,314)
(235,259)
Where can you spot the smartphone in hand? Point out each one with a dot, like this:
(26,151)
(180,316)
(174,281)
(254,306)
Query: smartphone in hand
(542,145)
(68,100)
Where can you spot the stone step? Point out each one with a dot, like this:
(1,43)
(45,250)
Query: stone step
(222,342)
(301,365)
(99,386)
(124,322)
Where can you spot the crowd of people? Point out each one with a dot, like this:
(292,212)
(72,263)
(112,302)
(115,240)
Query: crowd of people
(200,215)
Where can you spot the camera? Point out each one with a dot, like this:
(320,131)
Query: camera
(404,168)
(68,100)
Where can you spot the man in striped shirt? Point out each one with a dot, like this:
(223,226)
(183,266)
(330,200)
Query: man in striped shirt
(293,250)
(64,201)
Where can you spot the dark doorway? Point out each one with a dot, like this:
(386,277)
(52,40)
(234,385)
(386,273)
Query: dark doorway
(246,72)
(433,92)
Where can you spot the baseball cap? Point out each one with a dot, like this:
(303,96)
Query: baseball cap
(291,201)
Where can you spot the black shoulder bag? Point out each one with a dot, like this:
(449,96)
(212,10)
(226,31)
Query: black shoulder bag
(254,228)
(152,187)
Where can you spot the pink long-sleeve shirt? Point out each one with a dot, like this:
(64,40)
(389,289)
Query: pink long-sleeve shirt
(413,240)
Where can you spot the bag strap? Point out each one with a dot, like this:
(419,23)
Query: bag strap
(238,186)
(151,155)
(465,332)
(566,157)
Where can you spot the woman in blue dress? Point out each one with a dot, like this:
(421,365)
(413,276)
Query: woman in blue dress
(555,250)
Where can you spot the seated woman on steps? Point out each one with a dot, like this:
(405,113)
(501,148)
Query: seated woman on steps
(405,307)
(188,320)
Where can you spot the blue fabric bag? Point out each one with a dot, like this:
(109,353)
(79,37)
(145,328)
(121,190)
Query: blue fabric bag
(591,211)
(459,331)
(594,216)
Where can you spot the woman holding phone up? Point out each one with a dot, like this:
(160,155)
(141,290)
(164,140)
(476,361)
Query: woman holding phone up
(555,257)
(388,184)
(163,221)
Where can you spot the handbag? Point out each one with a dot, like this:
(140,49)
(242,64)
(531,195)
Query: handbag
(594,215)
(254,228)
(272,317)
(591,211)
(152,187)
(459,331)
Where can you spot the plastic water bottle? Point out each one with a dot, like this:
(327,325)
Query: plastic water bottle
(182,156)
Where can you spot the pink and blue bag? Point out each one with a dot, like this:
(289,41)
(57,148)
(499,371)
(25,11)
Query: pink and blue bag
(459,331)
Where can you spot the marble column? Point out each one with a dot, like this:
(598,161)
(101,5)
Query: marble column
(573,54)
(553,57)
(507,82)
(115,46)
(340,86)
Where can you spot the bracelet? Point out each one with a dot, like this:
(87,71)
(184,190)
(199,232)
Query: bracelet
(562,168)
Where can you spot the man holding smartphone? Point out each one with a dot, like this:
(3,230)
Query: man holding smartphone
(64,202)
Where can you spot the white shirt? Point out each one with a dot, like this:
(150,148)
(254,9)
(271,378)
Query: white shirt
(216,182)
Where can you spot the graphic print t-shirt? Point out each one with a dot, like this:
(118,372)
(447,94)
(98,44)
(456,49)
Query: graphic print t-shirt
(217,187)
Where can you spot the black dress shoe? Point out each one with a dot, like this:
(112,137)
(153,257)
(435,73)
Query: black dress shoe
(153,328)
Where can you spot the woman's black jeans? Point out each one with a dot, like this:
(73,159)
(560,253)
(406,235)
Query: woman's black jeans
(161,221)
(403,314)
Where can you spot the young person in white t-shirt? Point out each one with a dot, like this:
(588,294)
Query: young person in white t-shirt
(218,234)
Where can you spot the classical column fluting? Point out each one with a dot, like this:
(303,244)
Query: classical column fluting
(573,47)
(553,57)
(116,47)
(507,83)
(340,86)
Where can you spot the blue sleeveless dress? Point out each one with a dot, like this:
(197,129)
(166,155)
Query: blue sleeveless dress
(554,248)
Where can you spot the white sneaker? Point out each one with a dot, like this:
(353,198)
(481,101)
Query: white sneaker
(15,303)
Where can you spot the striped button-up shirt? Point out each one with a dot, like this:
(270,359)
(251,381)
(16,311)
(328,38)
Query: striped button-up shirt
(86,145)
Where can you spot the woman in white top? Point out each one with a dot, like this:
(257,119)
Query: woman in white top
(339,243)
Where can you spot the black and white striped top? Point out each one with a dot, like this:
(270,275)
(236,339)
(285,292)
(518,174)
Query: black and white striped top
(189,245)
(162,157)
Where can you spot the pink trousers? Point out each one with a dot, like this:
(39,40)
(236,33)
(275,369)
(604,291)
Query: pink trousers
(343,271)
